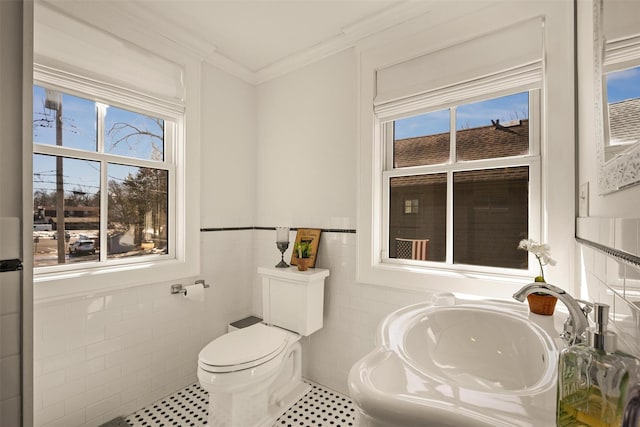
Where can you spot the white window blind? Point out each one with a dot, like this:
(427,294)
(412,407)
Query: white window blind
(509,57)
(64,43)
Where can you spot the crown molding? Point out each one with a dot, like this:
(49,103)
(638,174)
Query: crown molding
(349,36)
(124,23)
(185,39)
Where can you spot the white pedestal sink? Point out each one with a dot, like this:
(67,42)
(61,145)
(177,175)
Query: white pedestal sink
(475,364)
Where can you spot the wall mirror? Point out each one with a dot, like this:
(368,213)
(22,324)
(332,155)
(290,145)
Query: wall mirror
(617,93)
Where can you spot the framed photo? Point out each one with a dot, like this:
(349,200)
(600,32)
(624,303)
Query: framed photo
(312,236)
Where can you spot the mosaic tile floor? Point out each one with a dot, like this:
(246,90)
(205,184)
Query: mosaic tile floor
(320,407)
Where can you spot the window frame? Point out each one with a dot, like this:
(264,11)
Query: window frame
(531,160)
(104,159)
(558,137)
(70,279)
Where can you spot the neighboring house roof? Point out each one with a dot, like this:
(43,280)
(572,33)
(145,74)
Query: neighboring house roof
(493,141)
(77,220)
(624,121)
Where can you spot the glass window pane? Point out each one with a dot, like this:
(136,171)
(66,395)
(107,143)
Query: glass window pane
(418,217)
(137,211)
(422,140)
(493,128)
(77,129)
(66,210)
(490,217)
(133,135)
(623,99)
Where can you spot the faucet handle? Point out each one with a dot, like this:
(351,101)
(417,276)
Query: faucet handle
(570,334)
(586,308)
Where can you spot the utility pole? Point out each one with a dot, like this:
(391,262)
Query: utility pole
(54,102)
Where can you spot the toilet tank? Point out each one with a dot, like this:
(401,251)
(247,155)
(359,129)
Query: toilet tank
(293,299)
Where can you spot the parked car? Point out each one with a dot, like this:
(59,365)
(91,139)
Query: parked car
(67,236)
(82,246)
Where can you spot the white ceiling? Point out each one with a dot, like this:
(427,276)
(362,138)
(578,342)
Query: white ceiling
(256,39)
(258,34)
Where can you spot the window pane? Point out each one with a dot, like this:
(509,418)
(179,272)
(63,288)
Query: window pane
(494,128)
(77,129)
(422,140)
(137,211)
(133,135)
(491,217)
(623,99)
(66,210)
(417,229)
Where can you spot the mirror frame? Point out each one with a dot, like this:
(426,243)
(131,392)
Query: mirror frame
(623,170)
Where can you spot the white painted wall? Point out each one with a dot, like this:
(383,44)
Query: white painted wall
(306,151)
(613,219)
(228,156)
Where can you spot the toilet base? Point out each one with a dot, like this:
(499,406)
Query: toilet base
(257,403)
(247,408)
(252,408)
(279,407)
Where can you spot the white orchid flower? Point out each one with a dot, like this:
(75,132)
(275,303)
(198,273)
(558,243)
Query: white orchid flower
(542,252)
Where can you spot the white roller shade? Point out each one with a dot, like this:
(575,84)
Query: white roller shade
(621,19)
(73,46)
(514,51)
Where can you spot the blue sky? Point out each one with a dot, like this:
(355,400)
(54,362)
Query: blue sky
(624,84)
(473,115)
(79,131)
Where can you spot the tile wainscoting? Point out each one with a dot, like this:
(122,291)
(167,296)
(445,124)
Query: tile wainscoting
(609,275)
(113,353)
(352,311)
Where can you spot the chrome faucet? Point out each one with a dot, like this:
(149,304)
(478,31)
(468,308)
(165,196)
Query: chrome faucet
(576,323)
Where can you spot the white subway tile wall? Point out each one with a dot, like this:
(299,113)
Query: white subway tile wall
(352,311)
(604,278)
(113,353)
(10,348)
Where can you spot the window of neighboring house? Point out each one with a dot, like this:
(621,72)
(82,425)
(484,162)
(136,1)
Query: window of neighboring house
(470,168)
(102,176)
(411,206)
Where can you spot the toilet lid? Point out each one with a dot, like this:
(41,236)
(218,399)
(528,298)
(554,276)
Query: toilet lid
(245,347)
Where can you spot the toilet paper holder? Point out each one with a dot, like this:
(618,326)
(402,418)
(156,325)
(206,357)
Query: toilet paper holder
(179,289)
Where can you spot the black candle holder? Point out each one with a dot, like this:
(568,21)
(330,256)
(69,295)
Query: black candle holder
(282,246)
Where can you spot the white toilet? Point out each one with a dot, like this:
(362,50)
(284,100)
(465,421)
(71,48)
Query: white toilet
(253,374)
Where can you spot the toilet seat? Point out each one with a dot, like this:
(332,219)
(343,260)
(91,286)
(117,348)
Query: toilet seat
(243,349)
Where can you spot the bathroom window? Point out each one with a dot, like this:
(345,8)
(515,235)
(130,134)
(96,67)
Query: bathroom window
(470,168)
(102,181)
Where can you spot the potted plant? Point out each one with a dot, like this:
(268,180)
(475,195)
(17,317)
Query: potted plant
(539,302)
(302,250)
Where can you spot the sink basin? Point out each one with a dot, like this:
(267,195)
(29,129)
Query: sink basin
(469,364)
(476,348)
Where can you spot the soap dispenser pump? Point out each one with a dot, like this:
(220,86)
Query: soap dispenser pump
(598,337)
(593,378)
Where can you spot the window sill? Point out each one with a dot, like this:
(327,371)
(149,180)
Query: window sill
(59,285)
(487,282)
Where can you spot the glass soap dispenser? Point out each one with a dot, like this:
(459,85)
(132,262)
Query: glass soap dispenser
(593,378)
